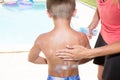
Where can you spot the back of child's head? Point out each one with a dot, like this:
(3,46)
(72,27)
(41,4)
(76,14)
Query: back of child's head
(61,8)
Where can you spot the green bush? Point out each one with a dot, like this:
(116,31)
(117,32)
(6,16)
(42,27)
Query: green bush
(90,2)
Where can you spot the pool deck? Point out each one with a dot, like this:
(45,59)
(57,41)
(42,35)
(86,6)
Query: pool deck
(15,66)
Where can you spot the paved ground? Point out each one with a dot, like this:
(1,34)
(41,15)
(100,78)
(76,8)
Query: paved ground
(16,67)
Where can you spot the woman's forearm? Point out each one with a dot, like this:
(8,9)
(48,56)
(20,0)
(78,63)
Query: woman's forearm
(105,50)
(95,20)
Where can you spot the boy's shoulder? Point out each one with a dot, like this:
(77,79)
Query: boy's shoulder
(82,34)
(43,36)
(79,34)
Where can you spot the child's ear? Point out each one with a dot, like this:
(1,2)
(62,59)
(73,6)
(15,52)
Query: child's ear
(49,15)
(74,12)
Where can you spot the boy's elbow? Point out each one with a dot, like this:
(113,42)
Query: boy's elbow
(30,60)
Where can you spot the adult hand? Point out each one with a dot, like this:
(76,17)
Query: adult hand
(76,52)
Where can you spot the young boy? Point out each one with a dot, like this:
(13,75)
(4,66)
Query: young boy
(61,11)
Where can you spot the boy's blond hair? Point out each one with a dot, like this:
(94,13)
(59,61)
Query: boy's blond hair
(61,8)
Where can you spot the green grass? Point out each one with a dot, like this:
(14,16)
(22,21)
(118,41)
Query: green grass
(90,2)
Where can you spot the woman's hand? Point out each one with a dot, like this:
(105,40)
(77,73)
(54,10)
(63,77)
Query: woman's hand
(76,52)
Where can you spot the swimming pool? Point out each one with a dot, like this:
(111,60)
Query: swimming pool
(21,27)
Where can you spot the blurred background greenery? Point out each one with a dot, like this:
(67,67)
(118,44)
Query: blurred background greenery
(90,2)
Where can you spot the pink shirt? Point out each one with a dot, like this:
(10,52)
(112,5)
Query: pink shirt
(109,12)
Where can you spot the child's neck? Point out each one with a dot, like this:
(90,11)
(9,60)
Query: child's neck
(61,23)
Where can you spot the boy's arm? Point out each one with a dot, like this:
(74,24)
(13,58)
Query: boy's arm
(87,46)
(34,55)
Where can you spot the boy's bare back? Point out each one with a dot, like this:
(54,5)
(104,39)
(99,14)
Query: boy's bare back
(57,39)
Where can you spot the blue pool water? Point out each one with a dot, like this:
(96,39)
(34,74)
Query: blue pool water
(22,26)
